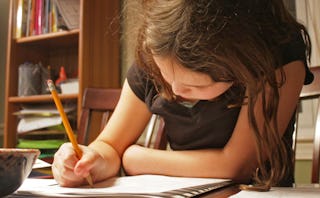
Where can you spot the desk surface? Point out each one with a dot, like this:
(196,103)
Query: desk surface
(222,193)
(298,191)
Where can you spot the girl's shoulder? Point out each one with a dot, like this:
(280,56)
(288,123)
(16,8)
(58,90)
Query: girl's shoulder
(294,50)
(140,83)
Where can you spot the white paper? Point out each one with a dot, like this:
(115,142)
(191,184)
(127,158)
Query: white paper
(32,123)
(282,192)
(40,164)
(41,110)
(40,116)
(142,184)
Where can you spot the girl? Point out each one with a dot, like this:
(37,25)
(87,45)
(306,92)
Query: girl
(225,75)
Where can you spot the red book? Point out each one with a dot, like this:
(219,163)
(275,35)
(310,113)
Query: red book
(38,17)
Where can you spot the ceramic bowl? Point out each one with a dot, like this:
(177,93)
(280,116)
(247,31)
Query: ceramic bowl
(15,167)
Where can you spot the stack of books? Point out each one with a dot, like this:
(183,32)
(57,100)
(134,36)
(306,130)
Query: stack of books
(40,127)
(35,17)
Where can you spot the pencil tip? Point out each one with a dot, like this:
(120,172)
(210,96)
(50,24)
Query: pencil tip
(89,180)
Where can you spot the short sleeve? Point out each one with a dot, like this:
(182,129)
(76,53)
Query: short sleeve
(137,80)
(141,84)
(296,50)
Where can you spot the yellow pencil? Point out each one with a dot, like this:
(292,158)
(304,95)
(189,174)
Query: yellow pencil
(66,124)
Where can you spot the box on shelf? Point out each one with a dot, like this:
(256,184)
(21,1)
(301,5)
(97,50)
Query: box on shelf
(70,86)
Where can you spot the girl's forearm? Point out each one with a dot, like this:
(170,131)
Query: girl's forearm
(195,163)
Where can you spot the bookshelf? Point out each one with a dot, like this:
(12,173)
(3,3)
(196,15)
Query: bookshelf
(90,52)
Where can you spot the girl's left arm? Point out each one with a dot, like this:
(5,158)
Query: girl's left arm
(238,159)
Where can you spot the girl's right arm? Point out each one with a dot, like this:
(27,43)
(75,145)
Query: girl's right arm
(102,158)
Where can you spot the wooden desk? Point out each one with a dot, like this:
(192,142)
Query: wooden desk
(222,193)
(306,191)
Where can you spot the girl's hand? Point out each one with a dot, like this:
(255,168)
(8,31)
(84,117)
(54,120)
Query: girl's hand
(69,171)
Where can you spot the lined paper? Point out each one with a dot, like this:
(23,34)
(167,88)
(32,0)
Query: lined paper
(129,185)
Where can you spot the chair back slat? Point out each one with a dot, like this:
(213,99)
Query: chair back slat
(161,138)
(316,149)
(104,101)
(96,100)
(101,99)
(83,126)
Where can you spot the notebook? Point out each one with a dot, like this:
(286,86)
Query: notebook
(127,186)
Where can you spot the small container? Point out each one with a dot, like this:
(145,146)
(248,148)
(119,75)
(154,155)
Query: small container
(29,82)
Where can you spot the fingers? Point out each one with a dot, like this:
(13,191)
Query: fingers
(69,171)
(86,163)
(65,176)
(63,166)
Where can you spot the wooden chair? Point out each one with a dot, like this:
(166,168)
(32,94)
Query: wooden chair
(105,101)
(308,92)
(155,134)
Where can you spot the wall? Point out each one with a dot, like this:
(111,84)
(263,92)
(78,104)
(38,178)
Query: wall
(4,12)
(307,13)
(130,23)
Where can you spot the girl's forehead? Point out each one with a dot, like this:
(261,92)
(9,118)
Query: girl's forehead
(172,69)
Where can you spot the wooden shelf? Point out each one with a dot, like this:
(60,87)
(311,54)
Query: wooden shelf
(90,53)
(48,36)
(41,98)
(67,38)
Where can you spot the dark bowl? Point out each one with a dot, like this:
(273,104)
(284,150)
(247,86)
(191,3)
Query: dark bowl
(15,167)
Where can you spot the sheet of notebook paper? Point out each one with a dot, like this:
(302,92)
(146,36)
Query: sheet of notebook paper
(142,184)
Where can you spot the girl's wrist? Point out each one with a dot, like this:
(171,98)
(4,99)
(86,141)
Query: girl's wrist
(107,153)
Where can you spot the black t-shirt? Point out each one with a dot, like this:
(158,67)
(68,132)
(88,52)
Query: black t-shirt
(207,124)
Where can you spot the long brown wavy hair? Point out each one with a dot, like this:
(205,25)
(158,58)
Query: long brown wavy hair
(232,41)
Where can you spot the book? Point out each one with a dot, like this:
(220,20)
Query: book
(47,147)
(29,17)
(46,14)
(35,17)
(45,134)
(126,186)
(53,144)
(41,169)
(21,18)
(43,110)
(27,124)
(69,11)
(53,26)
(38,17)
(37,117)
(32,16)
